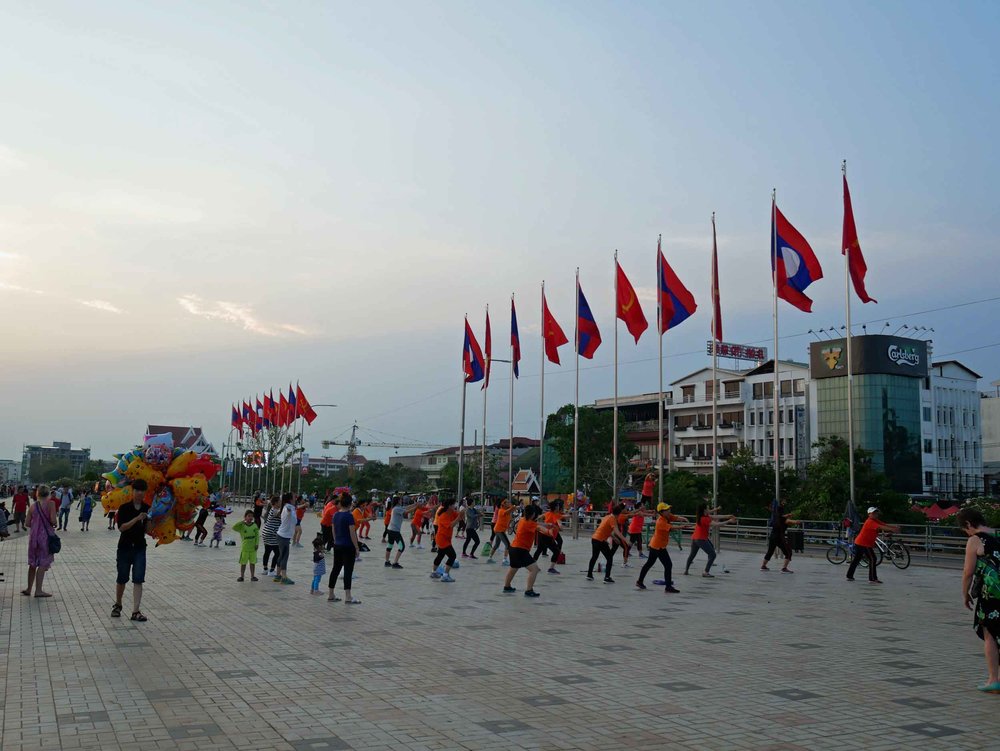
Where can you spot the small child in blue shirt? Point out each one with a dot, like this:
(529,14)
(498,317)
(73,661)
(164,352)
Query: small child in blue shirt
(319,564)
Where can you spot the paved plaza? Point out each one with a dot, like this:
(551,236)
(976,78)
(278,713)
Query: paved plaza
(749,660)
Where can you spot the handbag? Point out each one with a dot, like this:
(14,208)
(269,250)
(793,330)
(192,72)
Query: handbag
(55,544)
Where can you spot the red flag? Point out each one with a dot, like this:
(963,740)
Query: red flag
(676,302)
(552,333)
(305,408)
(283,420)
(852,249)
(270,408)
(473,363)
(716,307)
(488,351)
(629,309)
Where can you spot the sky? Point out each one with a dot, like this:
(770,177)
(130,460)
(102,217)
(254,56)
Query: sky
(203,201)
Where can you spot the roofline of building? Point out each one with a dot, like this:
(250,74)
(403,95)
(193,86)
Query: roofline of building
(964,367)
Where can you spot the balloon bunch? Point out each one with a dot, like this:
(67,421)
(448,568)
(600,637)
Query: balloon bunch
(176,484)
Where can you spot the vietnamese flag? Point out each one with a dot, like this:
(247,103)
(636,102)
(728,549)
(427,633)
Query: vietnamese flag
(552,333)
(515,339)
(852,248)
(283,420)
(628,306)
(305,408)
(488,351)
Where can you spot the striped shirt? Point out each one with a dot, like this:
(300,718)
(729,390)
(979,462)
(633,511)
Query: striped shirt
(269,532)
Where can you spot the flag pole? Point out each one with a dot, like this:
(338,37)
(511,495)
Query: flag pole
(850,367)
(659,327)
(510,439)
(461,440)
(302,450)
(614,439)
(541,406)
(774,285)
(715,385)
(576,409)
(482,453)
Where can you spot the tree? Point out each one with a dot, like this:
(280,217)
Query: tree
(746,487)
(595,463)
(494,483)
(684,490)
(48,471)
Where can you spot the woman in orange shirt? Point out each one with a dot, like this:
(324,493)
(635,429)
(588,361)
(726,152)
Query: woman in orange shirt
(704,520)
(658,545)
(549,538)
(599,542)
(520,549)
(864,545)
(417,524)
(501,523)
(444,520)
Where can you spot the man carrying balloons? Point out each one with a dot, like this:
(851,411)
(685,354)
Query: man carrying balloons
(133,521)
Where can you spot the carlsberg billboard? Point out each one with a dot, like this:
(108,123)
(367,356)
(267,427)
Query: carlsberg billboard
(874,353)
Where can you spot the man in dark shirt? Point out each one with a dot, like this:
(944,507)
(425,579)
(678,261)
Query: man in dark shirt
(133,521)
(780,520)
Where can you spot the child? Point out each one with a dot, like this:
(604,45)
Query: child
(319,563)
(220,524)
(250,533)
(86,506)
(199,525)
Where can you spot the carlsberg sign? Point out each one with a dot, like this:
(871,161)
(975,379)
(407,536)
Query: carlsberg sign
(903,355)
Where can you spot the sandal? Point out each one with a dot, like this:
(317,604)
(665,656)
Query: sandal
(26,592)
(116,611)
(138,616)
(43,594)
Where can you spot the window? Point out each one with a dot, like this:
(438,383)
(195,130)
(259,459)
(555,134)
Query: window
(760,447)
(688,393)
(786,388)
(760,418)
(928,446)
(800,386)
(781,415)
(758,391)
(928,478)
(927,414)
(752,418)
(770,447)
(791,417)
(965,450)
(791,447)
(975,450)
(973,418)
(768,389)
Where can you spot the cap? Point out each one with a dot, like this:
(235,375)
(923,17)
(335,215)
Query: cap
(872,509)
(662,507)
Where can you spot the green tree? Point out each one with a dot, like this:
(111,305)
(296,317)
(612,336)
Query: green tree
(49,471)
(595,463)
(684,490)
(746,487)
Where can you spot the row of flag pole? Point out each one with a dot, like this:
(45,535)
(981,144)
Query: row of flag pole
(794,267)
(279,413)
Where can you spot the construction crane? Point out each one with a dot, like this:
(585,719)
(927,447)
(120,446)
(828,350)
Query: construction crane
(354,443)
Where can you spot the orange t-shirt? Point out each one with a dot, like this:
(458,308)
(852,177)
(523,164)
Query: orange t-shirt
(701,528)
(501,519)
(328,511)
(418,515)
(551,519)
(869,531)
(648,486)
(635,524)
(603,531)
(444,520)
(661,535)
(358,516)
(524,538)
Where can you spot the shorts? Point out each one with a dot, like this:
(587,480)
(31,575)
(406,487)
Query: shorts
(19,518)
(635,538)
(392,538)
(298,522)
(520,558)
(134,559)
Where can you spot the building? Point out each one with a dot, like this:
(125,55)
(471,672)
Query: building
(689,410)
(35,456)
(920,422)
(794,426)
(10,470)
(989,414)
(324,466)
(525,483)
(639,416)
(190,438)
(432,463)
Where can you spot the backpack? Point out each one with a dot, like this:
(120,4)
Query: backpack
(986,580)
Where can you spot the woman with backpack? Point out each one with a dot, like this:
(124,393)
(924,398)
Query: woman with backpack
(41,520)
(981,582)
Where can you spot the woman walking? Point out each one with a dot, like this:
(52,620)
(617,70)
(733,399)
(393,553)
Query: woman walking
(86,506)
(705,519)
(345,550)
(41,520)
(608,528)
(981,582)
(658,547)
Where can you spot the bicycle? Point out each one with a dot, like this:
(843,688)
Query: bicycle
(895,550)
(842,550)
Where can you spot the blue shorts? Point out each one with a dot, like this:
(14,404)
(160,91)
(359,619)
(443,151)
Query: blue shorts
(134,559)
(298,522)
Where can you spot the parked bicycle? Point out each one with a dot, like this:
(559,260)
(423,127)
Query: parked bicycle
(841,550)
(889,548)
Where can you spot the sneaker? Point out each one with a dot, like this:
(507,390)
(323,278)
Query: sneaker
(640,585)
(505,562)
(388,565)
(590,577)
(787,571)
(509,590)
(531,593)
(276,579)
(240,579)
(472,557)
(352,601)
(490,560)
(254,579)
(608,580)
(553,571)
(671,590)
(641,555)
(708,575)
(626,565)
(396,565)
(464,555)
(764,568)
(447,578)
(435,575)
(850,578)
(874,581)
(455,565)
(286,580)
(314,591)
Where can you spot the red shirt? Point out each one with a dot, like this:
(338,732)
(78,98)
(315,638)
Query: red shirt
(647,487)
(702,527)
(329,510)
(300,512)
(635,524)
(20,503)
(869,531)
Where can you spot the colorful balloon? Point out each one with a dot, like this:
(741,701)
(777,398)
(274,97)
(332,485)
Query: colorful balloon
(163,503)
(165,531)
(115,498)
(179,467)
(139,470)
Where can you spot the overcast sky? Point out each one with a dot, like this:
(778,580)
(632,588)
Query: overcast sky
(199,201)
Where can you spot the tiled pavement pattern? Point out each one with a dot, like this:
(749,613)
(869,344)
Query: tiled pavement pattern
(749,660)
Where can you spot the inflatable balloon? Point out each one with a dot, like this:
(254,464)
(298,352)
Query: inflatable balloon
(180,466)
(115,498)
(139,470)
(114,476)
(158,456)
(203,466)
(163,503)
(164,532)
(190,489)
(185,515)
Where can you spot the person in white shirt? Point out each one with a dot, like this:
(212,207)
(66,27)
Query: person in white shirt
(286,530)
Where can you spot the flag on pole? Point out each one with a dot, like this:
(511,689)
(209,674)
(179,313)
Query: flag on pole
(552,333)
(716,306)
(305,408)
(472,357)
(283,420)
(793,262)
(236,421)
(852,249)
(588,335)
(293,408)
(271,408)
(262,416)
(515,340)
(488,351)
(248,418)
(628,306)
(676,302)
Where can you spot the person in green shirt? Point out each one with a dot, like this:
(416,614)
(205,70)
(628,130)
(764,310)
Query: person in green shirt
(249,532)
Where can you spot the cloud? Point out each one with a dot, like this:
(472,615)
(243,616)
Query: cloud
(9,159)
(241,315)
(101,305)
(19,288)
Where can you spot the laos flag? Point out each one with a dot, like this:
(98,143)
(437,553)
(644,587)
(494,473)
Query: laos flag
(473,362)
(793,262)
(588,338)
(676,303)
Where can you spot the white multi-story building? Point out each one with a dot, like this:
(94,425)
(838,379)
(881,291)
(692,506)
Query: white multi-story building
(952,441)
(10,470)
(989,418)
(794,436)
(689,411)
